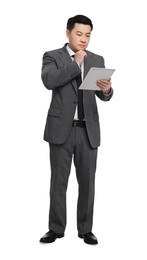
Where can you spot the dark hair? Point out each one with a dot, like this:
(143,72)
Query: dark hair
(78,19)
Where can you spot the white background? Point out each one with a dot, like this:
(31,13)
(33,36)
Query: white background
(28,29)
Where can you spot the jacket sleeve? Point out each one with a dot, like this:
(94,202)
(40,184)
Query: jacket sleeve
(103,96)
(54,75)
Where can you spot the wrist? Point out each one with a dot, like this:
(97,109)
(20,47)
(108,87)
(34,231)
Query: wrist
(107,93)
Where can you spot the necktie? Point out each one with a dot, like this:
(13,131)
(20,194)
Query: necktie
(80,98)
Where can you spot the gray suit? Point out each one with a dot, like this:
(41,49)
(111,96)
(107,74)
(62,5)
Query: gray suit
(59,74)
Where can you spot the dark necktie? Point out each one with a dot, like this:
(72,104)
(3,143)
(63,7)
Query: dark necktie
(80,98)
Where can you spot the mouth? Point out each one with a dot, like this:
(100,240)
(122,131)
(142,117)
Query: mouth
(82,46)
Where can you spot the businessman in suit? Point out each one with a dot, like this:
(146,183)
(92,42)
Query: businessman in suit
(72,127)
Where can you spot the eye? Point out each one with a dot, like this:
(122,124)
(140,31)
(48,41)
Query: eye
(79,34)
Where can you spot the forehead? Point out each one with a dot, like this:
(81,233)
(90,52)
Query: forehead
(84,28)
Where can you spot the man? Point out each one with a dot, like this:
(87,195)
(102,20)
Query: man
(72,127)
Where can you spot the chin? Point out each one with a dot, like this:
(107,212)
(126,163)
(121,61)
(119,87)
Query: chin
(80,49)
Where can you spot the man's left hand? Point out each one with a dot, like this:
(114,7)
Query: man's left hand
(104,85)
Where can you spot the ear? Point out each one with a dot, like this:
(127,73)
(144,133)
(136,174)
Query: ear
(67,33)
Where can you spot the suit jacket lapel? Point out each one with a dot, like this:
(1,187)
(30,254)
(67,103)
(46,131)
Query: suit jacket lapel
(65,57)
(87,67)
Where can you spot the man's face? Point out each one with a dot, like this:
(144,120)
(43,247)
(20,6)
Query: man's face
(79,37)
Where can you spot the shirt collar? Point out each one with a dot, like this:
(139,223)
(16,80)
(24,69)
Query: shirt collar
(69,50)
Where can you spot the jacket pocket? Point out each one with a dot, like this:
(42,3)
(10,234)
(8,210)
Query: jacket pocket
(54,112)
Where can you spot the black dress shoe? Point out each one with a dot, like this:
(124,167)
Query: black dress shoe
(89,238)
(51,236)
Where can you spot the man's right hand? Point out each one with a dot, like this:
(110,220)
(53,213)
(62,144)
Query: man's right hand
(80,56)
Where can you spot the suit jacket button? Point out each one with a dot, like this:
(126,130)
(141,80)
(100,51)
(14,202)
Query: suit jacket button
(75,101)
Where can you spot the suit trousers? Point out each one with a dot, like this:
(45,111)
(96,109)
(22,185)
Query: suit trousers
(77,147)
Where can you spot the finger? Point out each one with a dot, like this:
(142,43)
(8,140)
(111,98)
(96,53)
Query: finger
(105,81)
(103,85)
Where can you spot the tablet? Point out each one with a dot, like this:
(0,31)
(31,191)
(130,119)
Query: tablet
(94,74)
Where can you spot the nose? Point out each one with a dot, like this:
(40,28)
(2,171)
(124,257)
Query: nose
(83,38)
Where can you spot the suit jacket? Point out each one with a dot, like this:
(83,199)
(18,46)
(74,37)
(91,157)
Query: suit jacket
(59,74)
